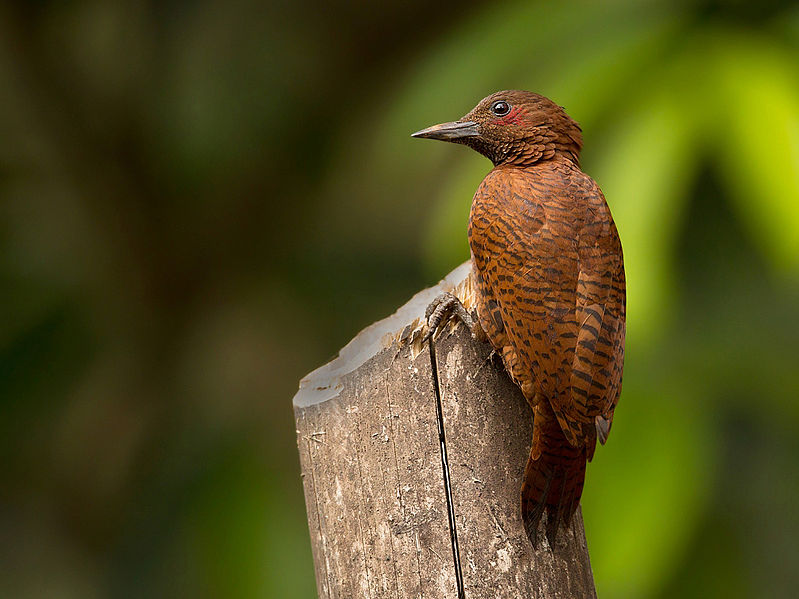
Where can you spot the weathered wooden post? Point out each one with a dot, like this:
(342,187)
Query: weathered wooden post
(375,484)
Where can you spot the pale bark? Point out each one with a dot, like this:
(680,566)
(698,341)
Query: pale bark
(372,470)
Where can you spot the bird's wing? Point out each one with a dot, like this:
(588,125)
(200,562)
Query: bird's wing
(600,313)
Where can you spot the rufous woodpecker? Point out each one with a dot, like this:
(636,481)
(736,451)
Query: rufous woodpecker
(548,265)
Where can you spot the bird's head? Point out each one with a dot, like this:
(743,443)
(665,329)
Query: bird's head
(514,127)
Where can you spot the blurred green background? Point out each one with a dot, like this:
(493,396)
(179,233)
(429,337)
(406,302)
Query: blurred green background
(202,201)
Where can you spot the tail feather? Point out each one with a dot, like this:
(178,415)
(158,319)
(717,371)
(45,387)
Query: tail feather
(533,505)
(553,478)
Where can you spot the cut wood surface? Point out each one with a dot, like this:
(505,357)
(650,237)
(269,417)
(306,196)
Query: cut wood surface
(374,485)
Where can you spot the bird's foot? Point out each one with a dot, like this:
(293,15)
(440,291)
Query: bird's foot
(444,307)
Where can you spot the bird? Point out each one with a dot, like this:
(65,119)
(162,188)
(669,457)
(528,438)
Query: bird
(551,289)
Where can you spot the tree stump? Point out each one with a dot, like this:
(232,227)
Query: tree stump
(376,488)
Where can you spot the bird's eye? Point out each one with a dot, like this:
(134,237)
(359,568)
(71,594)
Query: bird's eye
(500,108)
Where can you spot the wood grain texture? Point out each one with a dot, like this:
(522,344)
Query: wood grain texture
(374,488)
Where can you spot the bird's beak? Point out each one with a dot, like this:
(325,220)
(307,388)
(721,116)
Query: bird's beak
(449,131)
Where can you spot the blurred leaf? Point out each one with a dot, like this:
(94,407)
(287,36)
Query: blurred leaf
(646,489)
(39,359)
(644,169)
(241,531)
(445,243)
(714,550)
(758,141)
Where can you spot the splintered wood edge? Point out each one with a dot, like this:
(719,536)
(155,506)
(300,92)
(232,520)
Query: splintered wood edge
(404,326)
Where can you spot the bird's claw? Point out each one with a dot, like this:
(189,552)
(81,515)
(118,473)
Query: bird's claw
(441,309)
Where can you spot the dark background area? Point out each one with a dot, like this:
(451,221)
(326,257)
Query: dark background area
(200,202)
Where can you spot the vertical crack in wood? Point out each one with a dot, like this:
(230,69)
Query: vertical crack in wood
(445,468)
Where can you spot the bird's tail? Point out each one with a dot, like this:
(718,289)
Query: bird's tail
(553,479)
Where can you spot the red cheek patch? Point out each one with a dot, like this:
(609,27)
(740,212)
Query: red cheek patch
(514,116)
